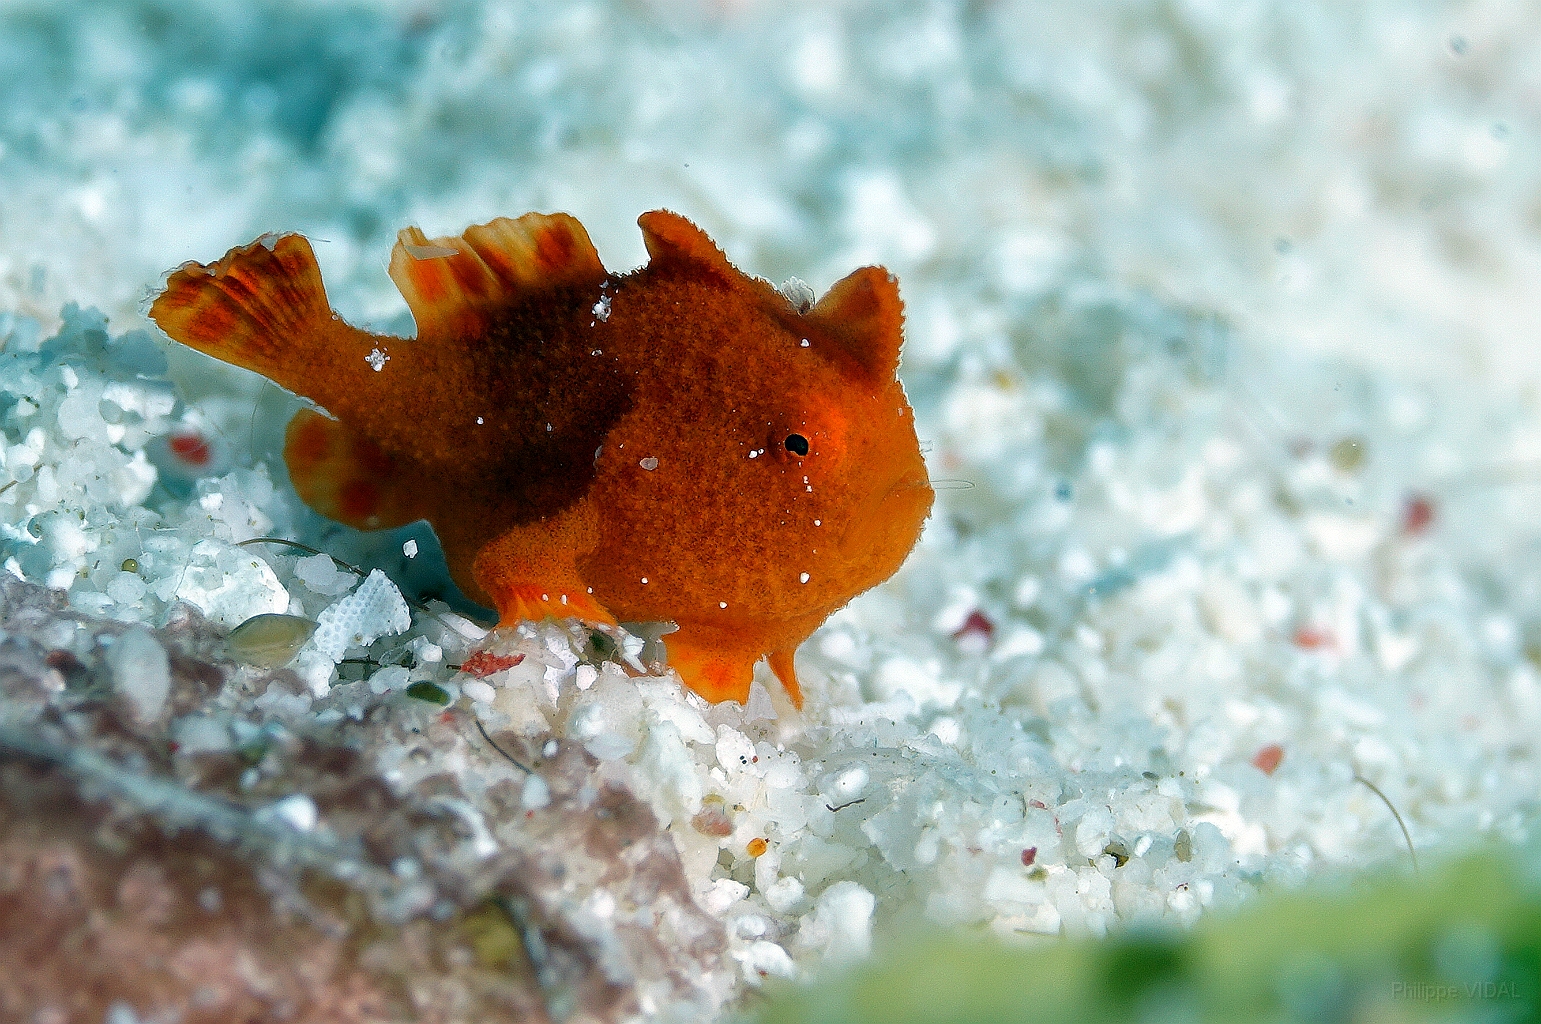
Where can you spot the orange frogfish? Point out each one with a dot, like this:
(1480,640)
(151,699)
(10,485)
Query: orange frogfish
(680,443)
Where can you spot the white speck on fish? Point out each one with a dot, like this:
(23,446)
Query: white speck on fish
(797,293)
(377,360)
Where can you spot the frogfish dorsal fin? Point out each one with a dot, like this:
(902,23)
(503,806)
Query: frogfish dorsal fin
(864,316)
(672,239)
(452,284)
(346,476)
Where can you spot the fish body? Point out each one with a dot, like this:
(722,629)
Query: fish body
(680,443)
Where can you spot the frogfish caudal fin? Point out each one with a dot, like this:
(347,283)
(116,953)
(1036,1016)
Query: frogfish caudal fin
(263,307)
(253,308)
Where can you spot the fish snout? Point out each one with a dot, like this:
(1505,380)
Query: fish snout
(889,518)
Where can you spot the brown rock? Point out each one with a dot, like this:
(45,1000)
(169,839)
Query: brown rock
(294,876)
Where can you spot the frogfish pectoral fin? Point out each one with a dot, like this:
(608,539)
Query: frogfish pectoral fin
(720,666)
(536,602)
(347,477)
(715,672)
(530,572)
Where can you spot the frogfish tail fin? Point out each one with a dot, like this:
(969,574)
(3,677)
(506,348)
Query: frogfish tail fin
(345,476)
(254,308)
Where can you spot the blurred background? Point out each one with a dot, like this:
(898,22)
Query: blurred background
(1358,178)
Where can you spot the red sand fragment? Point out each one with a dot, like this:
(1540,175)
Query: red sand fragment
(1417,514)
(1267,759)
(190,448)
(485,663)
(713,820)
(1314,638)
(1029,855)
(976,629)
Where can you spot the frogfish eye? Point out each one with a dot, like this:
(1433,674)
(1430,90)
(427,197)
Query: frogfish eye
(797,444)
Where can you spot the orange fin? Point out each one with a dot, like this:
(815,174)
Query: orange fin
(531,571)
(716,672)
(714,675)
(781,664)
(347,477)
(671,239)
(863,314)
(253,308)
(529,602)
(452,284)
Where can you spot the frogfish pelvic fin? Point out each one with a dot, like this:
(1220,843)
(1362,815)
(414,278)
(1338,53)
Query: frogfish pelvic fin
(679,443)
